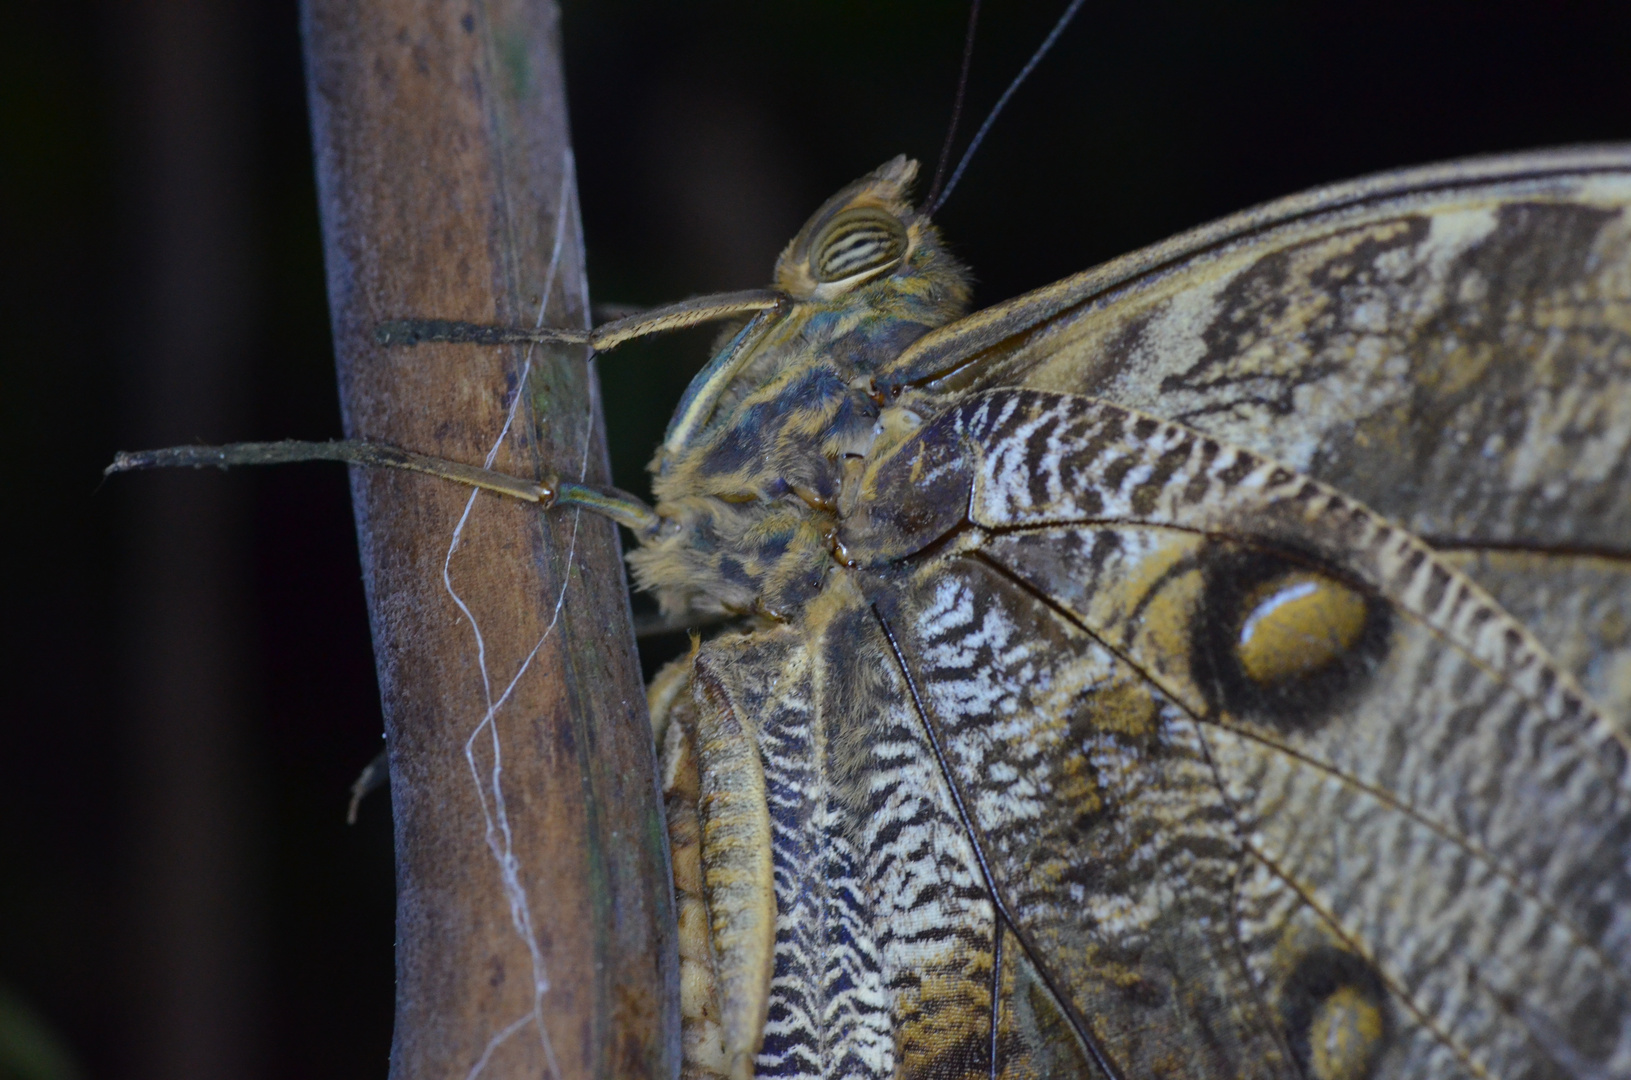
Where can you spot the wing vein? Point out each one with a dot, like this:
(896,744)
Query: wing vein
(1477,851)
(1101,1057)
(1397,989)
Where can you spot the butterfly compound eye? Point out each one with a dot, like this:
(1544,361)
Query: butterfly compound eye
(857,244)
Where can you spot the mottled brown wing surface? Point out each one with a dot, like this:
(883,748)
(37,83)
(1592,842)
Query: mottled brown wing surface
(1265,787)
(1449,345)
(1228,672)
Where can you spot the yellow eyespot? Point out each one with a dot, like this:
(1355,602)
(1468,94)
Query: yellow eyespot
(1297,625)
(857,244)
(1345,1035)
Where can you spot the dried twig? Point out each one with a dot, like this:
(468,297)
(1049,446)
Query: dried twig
(533,897)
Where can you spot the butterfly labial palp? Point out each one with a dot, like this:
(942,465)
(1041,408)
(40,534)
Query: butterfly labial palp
(1213,664)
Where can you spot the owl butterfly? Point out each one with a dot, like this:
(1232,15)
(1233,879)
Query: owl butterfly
(1215,664)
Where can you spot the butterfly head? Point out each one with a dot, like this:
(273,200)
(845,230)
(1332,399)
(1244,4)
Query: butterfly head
(749,476)
(869,234)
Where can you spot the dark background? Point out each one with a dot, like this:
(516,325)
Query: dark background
(187,688)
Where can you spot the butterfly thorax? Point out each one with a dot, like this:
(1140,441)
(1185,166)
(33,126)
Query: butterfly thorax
(748,483)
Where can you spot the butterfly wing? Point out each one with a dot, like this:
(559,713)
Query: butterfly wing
(1259,777)
(1578,603)
(1165,737)
(1472,316)
(1450,345)
(1106,845)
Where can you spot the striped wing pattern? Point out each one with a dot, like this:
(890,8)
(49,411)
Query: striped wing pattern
(829,1014)
(1439,826)
(1120,747)
(883,950)
(1449,345)
(1110,845)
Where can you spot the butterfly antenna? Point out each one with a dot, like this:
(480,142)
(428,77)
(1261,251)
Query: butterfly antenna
(956,106)
(991,117)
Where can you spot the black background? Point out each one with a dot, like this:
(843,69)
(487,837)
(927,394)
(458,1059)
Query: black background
(705,132)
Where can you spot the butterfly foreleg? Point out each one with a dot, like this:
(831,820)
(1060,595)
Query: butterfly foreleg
(621,507)
(677,316)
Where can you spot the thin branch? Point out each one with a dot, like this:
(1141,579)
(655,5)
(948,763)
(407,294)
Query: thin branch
(534,916)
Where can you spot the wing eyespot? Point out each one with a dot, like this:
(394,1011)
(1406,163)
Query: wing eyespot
(1334,1008)
(1283,639)
(1296,625)
(857,244)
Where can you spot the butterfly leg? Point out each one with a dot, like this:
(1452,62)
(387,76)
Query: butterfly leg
(678,316)
(625,509)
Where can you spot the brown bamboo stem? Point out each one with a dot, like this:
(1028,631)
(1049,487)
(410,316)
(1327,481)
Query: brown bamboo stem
(533,908)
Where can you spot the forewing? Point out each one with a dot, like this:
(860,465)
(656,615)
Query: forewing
(1424,868)
(1451,346)
(1578,603)
(1472,320)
